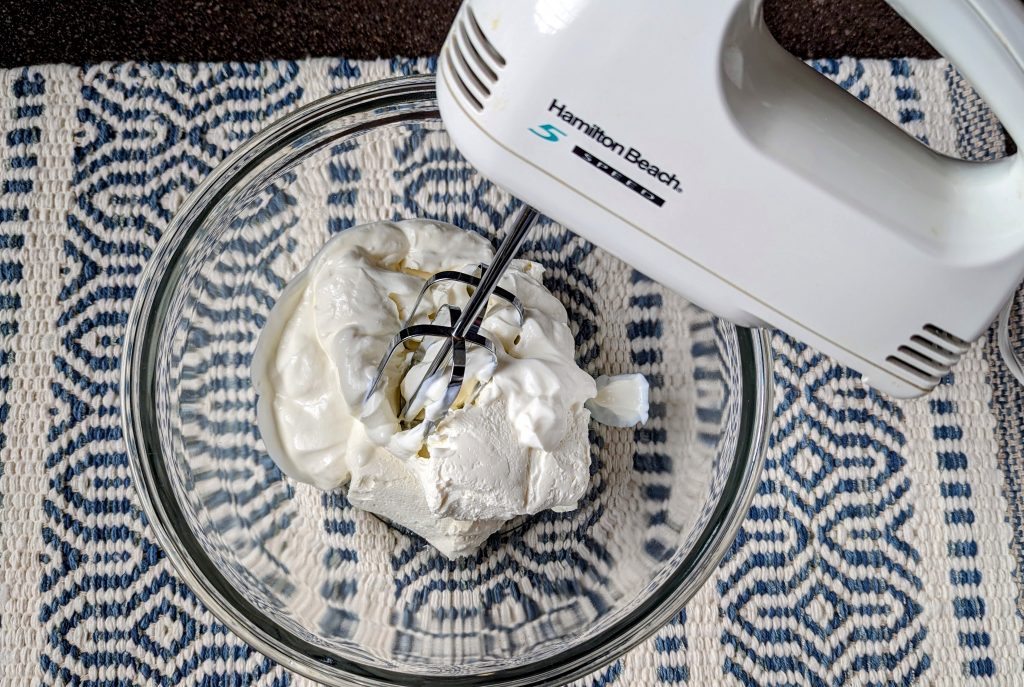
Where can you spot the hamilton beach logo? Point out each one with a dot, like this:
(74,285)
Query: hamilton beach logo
(630,154)
(553,133)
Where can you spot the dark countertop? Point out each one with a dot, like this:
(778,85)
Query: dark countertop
(83,31)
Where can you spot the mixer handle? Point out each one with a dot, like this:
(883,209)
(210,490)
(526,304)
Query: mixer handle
(984,39)
(953,211)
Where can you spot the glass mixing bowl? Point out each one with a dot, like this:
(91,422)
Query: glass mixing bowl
(338,595)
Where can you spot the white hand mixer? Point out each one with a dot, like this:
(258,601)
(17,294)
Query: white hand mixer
(682,138)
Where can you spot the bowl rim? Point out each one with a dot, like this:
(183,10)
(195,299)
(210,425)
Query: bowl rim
(148,470)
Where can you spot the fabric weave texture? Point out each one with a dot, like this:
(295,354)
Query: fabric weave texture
(885,545)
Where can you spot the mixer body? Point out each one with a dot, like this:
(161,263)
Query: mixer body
(682,138)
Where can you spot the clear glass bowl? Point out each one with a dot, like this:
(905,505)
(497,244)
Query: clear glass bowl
(338,595)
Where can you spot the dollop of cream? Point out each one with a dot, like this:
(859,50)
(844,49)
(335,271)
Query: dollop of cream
(516,443)
(621,401)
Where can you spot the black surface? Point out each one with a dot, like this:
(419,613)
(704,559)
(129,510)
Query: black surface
(49,31)
(836,28)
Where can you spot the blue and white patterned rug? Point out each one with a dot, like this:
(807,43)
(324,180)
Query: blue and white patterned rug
(885,546)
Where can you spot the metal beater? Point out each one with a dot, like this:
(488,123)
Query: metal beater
(463,328)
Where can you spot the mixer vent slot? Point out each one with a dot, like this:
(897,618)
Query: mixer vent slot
(471,60)
(929,355)
(460,84)
(482,37)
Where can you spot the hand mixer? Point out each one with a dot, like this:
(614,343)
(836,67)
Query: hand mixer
(680,137)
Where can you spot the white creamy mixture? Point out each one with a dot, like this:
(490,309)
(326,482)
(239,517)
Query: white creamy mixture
(518,446)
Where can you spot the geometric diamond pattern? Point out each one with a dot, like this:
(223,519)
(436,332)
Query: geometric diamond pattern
(832,580)
(145,136)
(821,572)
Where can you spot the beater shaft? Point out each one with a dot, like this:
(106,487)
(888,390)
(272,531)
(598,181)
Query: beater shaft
(474,310)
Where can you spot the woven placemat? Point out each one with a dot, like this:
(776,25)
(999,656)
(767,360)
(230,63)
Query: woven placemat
(884,547)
